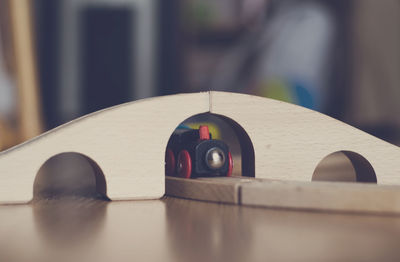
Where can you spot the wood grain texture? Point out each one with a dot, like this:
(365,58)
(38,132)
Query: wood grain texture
(175,229)
(220,190)
(127,142)
(328,196)
(331,196)
(289,141)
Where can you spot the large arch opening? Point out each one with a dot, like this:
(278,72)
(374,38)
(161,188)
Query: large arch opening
(344,166)
(231,133)
(70,174)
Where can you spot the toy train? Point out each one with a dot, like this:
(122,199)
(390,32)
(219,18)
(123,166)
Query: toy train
(193,153)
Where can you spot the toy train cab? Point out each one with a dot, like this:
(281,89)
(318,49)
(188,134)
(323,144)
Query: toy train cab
(193,153)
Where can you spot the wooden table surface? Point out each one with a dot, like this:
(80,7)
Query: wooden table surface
(172,229)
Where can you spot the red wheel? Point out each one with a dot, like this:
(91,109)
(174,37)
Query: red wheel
(184,166)
(169,163)
(230,168)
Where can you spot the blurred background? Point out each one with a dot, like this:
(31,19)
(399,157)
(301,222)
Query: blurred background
(61,59)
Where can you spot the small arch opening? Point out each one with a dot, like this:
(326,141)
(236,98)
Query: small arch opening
(70,174)
(224,129)
(344,166)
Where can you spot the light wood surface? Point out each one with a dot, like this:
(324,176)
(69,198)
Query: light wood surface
(224,190)
(126,144)
(183,230)
(289,141)
(332,196)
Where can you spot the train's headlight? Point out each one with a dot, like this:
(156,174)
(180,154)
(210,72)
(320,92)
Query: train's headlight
(215,158)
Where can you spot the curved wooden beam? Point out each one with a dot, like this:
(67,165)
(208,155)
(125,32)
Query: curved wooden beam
(127,143)
(289,141)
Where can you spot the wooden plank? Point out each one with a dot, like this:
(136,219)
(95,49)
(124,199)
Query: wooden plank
(332,196)
(322,196)
(221,190)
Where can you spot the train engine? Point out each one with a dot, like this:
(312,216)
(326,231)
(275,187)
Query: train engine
(193,153)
